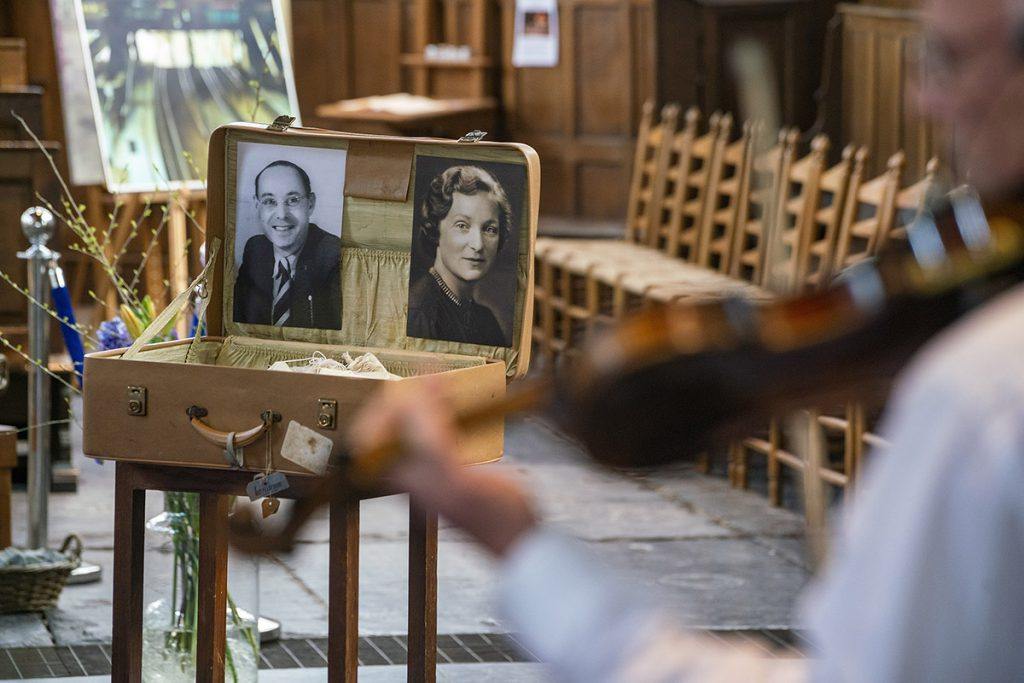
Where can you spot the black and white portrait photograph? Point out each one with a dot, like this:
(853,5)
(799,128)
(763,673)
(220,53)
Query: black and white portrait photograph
(462,278)
(289,203)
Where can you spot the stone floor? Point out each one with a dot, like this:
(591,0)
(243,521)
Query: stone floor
(719,558)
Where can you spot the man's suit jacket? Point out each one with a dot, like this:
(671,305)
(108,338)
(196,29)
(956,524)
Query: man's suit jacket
(315,288)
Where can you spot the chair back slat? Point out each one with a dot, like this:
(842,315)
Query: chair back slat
(794,215)
(910,202)
(815,268)
(647,157)
(869,211)
(679,238)
(725,193)
(759,199)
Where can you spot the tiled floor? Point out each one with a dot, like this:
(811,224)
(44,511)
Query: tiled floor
(716,557)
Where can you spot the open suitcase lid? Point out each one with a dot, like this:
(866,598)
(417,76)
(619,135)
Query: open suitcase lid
(408,209)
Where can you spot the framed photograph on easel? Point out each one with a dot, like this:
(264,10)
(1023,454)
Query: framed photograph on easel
(163,75)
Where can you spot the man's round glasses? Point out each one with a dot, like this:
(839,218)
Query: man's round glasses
(290,201)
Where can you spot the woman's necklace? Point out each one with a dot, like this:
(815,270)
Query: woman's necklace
(445,288)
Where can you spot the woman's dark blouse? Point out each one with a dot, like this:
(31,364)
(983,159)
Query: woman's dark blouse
(433,315)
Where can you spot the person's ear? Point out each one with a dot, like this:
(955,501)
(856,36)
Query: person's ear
(312,201)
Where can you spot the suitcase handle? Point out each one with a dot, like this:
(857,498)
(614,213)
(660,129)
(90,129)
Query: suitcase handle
(220,438)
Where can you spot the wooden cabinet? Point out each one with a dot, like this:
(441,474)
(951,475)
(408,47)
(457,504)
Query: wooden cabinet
(881,46)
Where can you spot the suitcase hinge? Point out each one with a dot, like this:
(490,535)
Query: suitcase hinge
(282,123)
(473,136)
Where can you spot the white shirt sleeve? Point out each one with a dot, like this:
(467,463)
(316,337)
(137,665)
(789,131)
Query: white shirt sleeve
(925,584)
(581,619)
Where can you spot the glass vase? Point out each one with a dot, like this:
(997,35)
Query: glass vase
(171,598)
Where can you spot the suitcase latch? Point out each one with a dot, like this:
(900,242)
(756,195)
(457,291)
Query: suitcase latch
(137,401)
(327,413)
(282,123)
(473,136)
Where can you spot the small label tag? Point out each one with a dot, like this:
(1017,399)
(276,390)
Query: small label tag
(266,485)
(306,448)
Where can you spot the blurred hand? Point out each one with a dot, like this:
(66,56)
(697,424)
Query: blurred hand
(489,506)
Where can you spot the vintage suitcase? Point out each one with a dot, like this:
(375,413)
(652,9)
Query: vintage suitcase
(457,220)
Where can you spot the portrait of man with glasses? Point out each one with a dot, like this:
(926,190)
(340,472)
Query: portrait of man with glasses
(290,267)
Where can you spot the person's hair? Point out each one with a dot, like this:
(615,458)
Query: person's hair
(303,176)
(465,180)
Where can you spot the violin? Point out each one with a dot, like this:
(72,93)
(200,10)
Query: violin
(672,381)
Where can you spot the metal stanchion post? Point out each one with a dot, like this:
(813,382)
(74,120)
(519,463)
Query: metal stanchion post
(37,223)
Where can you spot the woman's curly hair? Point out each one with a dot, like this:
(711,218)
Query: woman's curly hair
(466,180)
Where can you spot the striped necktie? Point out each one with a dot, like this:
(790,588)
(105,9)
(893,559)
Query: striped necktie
(283,298)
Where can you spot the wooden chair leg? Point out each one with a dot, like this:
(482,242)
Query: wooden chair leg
(8,461)
(129,539)
(422,666)
(548,311)
(343,609)
(774,466)
(742,471)
(213,587)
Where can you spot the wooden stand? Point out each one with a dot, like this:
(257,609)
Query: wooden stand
(214,488)
(167,269)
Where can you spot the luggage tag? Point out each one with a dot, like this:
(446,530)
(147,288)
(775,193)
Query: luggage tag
(264,484)
(267,484)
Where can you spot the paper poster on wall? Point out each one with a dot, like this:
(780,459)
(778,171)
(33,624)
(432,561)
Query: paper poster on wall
(163,75)
(536,34)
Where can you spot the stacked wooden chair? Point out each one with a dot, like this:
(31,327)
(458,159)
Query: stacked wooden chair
(703,200)
(872,212)
(581,283)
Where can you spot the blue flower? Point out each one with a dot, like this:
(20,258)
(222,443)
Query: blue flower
(113,334)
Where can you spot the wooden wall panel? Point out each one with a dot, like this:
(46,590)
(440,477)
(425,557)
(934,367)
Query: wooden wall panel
(602,60)
(593,179)
(347,48)
(376,41)
(319,57)
(582,114)
(880,57)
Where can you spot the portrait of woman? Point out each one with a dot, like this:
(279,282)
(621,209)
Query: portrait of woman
(464,231)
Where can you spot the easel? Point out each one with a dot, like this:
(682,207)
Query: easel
(127,208)
(215,487)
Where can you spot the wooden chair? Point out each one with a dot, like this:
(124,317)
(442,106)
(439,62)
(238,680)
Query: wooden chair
(798,195)
(815,268)
(758,200)
(909,203)
(563,289)
(869,211)
(726,191)
(695,208)
(680,236)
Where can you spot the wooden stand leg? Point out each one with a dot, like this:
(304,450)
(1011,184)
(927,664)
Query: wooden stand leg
(422,596)
(8,461)
(343,609)
(129,530)
(213,587)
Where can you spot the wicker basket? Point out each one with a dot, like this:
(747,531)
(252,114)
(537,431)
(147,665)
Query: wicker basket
(37,587)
